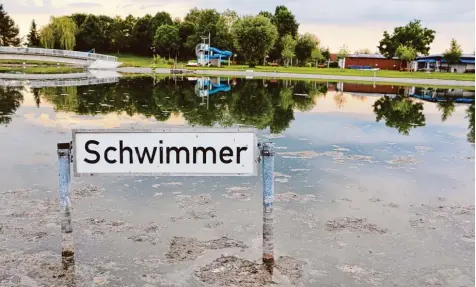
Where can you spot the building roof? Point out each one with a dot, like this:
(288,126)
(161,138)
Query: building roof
(438,56)
(370,56)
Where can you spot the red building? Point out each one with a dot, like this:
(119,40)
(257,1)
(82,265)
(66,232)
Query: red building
(371,61)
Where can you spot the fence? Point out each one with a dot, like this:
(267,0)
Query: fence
(57,83)
(57,53)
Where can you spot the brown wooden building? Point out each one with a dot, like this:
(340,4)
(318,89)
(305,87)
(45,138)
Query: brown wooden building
(373,61)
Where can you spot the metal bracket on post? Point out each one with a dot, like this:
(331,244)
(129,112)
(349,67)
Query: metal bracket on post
(267,155)
(64,167)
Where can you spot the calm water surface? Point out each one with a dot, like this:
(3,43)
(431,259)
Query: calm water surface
(374,184)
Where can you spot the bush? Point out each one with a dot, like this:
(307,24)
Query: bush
(170,61)
(309,65)
(333,65)
(158,60)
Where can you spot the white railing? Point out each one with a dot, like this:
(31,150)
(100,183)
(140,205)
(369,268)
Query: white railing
(57,53)
(56,83)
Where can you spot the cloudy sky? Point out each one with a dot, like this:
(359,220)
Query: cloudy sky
(357,24)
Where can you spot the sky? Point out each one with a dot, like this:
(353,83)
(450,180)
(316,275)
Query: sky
(356,24)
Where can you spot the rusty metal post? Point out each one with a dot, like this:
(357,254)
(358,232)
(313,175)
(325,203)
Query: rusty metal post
(64,167)
(267,154)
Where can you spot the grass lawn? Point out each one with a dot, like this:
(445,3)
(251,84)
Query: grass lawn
(138,61)
(40,70)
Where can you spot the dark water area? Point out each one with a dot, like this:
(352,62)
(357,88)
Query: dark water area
(374,185)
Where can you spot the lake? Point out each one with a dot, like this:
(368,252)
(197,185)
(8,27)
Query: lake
(374,186)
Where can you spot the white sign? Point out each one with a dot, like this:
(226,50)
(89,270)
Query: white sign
(165,152)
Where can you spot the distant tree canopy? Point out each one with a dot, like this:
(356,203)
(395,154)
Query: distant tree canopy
(33,37)
(406,53)
(59,33)
(412,35)
(453,54)
(254,37)
(8,30)
(305,44)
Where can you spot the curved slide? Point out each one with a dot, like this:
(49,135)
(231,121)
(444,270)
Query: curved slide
(206,53)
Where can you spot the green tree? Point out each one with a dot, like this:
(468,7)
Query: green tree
(447,107)
(93,34)
(59,33)
(400,113)
(161,18)
(186,29)
(33,37)
(143,36)
(343,52)
(286,24)
(453,54)
(254,37)
(8,30)
(167,39)
(304,46)
(406,53)
(363,51)
(326,53)
(289,46)
(207,22)
(317,56)
(413,35)
(266,14)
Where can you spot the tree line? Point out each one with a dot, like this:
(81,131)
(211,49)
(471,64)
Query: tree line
(265,37)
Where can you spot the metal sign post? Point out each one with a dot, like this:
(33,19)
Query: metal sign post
(64,167)
(177,152)
(267,154)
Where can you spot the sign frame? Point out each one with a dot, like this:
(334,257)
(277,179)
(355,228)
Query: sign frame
(169,130)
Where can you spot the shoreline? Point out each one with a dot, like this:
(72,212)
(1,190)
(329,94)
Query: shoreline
(416,81)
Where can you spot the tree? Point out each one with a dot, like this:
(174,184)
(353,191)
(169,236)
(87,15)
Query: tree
(317,56)
(186,29)
(304,46)
(33,37)
(161,18)
(143,36)
(286,24)
(267,14)
(343,52)
(326,53)
(406,53)
(363,51)
(254,37)
(400,113)
(413,35)
(453,54)
(8,30)
(167,39)
(93,34)
(59,33)
(289,45)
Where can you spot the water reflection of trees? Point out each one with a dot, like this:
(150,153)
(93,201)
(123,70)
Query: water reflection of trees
(399,112)
(10,100)
(470,117)
(260,104)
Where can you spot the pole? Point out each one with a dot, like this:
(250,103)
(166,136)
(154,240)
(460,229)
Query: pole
(67,245)
(267,153)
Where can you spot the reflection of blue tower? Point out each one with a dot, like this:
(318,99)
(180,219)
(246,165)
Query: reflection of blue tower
(206,86)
